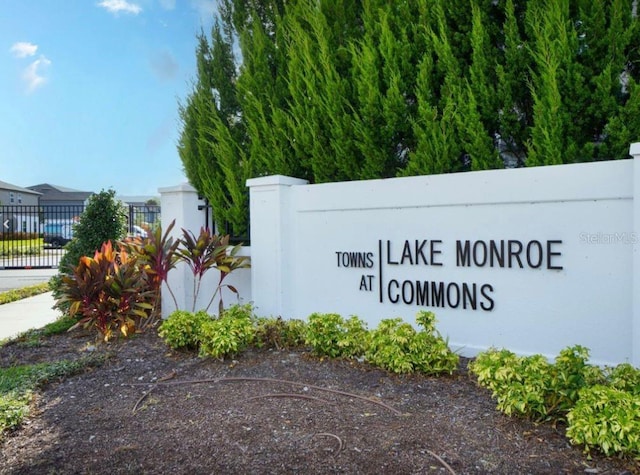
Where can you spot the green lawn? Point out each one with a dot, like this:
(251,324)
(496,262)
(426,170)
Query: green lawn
(17,383)
(23,293)
(21,247)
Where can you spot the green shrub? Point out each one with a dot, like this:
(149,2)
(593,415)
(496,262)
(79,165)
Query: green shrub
(104,219)
(330,335)
(396,346)
(389,346)
(602,408)
(182,329)
(107,292)
(324,330)
(495,368)
(532,387)
(13,409)
(606,418)
(23,250)
(278,333)
(432,355)
(229,334)
(625,377)
(355,339)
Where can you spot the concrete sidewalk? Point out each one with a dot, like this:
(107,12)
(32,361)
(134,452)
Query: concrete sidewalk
(17,278)
(22,315)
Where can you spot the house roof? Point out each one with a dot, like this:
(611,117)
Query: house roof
(60,193)
(8,186)
(138,199)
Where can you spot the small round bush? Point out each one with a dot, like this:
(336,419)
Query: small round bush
(331,335)
(389,345)
(626,378)
(396,346)
(606,418)
(182,329)
(275,332)
(231,333)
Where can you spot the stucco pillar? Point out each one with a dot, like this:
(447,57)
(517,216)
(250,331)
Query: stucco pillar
(181,203)
(634,151)
(271,220)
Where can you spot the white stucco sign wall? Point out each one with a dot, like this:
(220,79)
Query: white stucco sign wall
(533,259)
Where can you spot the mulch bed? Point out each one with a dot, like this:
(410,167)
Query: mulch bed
(152,410)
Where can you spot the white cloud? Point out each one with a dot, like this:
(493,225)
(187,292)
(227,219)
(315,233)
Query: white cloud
(33,74)
(23,49)
(117,6)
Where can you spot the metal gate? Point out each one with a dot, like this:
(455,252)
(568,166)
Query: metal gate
(33,237)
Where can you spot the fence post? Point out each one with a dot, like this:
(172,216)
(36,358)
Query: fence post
(634,151)
(271,221)
(180,203)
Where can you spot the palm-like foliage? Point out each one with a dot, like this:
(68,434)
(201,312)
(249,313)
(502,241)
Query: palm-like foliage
(107,292)
(210,251)
(156,256)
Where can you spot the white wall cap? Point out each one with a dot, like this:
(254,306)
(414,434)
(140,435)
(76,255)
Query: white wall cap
(181,188)
(275,180)
(574,182)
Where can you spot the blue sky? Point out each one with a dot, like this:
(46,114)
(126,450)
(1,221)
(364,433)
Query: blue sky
(89,91)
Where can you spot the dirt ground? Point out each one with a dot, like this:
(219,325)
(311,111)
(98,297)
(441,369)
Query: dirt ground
(151,410)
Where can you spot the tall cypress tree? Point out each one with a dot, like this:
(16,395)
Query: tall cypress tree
(624,128)
(320,96)
(437,145)
(338,90)
(514,101)
(211,124)
(552,134)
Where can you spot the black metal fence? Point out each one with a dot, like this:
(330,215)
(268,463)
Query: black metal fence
(35,236)
(224,228)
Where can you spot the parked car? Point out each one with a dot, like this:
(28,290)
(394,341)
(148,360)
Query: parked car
(57,234)
(137,231)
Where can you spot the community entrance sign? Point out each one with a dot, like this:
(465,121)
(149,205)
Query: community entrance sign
(533,259)
(390,259)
